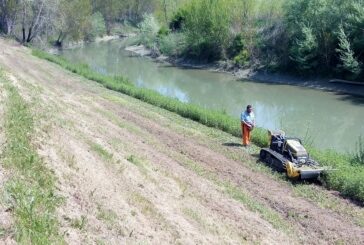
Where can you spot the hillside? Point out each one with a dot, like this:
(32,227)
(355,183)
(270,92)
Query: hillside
(128,172)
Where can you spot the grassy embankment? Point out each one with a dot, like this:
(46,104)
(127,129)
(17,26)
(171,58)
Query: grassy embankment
(348,179)
(30,192)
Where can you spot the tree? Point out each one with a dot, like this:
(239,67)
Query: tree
(8,11)
(324,17)
(355,29)
(348,62)
(98,27)
(74,20)
(134,10)
(34,16)
(207,26)
(149,28)
(110,9)
(304,52)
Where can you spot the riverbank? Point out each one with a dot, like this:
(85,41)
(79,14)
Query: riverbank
(348,180)
(130,171)
(340,87)
(71,45)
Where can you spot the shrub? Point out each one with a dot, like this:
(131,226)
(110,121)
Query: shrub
(98,27)
(236,46)
(163,31)
(149,28)
(178,20)
(173,44)
(358,155)
(242,59)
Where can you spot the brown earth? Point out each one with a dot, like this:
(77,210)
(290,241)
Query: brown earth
(133,173)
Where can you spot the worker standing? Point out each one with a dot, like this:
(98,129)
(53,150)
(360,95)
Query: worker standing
(247,124)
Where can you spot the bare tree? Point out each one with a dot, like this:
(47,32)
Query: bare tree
(8,11)
(34,15)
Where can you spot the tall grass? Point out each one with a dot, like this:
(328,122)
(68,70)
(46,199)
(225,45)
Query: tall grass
(358,155)
(31,190)
(348,178)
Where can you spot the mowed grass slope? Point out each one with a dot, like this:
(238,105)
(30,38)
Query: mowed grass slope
(348,178)
(30,192)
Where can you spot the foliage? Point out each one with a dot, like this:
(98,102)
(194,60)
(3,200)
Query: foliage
(34,17)
(348,61)
(134,10)
(163,31)
(238,51)
(236,46)
(109,9)
(207,28)
(73,20)
(149,28)
(304,52)
(358,155)
(98,27)
(178,20)
(326,34)
(306,36)
(8,12)
(344,176)
(242,59)
(173,44)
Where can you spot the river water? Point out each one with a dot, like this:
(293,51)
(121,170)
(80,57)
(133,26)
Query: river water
(332,121)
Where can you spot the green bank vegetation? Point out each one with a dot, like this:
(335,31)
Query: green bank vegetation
(30,192)
(348,178)
(58,21)
(304,37)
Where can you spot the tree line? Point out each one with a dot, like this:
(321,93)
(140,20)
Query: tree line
(307,37)
(72,19)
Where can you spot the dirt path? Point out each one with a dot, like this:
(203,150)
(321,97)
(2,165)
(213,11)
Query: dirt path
(133,173)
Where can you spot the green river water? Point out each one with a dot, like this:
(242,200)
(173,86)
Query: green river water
(333,121)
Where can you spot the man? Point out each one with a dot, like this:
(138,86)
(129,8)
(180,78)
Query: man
(247,124)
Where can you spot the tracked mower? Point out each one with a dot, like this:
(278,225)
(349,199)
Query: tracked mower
(287,154)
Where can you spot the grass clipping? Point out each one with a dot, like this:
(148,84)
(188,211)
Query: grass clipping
(30,191)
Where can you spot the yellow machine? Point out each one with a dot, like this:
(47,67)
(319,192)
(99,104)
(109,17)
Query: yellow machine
(287,154)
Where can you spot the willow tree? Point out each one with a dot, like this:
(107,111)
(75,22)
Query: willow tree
(34,16)
(73,20)
(110,9)
(207,27)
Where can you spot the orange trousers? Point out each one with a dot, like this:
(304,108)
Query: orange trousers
(245,134)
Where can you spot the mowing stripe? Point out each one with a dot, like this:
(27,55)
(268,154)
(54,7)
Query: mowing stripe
(30,192)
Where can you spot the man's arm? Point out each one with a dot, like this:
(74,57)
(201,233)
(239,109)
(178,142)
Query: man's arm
(243,119)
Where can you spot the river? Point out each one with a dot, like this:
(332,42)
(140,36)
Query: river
(333,121)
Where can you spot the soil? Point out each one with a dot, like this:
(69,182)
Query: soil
(132,173)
